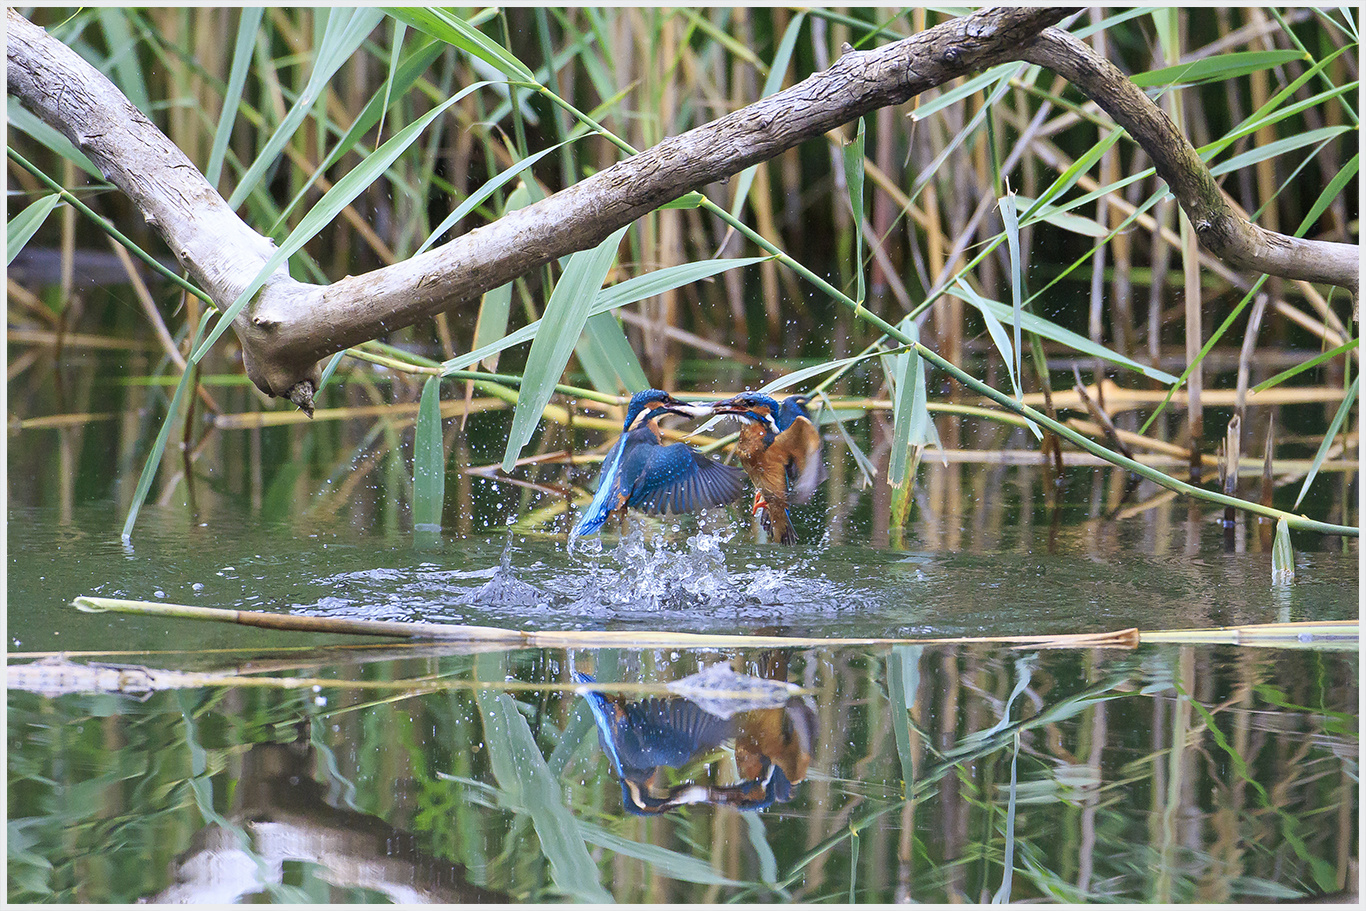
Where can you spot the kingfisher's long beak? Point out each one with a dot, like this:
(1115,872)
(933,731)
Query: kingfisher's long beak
(693,409)
(726,406)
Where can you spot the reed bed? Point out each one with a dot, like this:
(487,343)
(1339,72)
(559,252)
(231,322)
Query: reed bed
(998,201)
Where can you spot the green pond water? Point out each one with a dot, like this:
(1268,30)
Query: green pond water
(333,768)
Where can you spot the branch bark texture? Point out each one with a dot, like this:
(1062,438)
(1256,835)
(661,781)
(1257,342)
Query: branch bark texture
(291,325)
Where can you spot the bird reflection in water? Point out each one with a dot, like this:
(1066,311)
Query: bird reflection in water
(772,747)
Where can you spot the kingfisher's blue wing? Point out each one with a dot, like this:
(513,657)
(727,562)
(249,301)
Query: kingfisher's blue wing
(666,732)
(675,479)
(641,736)
(609,492)
(605,717)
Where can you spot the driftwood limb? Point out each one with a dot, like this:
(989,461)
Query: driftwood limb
(1219,227)
(291,325)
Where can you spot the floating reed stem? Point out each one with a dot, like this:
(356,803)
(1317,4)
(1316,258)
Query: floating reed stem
(1332,634)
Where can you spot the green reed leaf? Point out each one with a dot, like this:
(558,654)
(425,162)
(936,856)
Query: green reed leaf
(777,70)
(1279,147)
(1032,322)
(959,137)
(492,322)
(23,226)
(865,464)
(346,29)
(662,861)
(997,331)
(149,468)
(566,311)
(1343,410)
(486,190)
(1330,193)
(1307,365)
(1058,217)
(1068,178)
(1283,556)
(604,337)
(446,26)
(903,683)
(243,50)
(1215,69)
(21,118)
(409,71)
(1012,228)
(619,295)
(122,64)
(911,422)
(853,176)
(527,785)
(351,185)
(967,89)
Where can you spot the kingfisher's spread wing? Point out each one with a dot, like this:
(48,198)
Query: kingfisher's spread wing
(666,732)
(608,496)
(640,736)
(675,479)
(800,444)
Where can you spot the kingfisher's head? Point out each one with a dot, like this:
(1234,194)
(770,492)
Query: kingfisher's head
(751,406)
(652,403)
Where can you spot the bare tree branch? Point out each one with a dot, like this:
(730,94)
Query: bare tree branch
(291,325)
(1219,227)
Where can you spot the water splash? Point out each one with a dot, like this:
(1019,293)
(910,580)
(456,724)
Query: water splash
(504,589)
(653,573)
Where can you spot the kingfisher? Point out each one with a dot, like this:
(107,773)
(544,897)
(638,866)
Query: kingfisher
(781,451)
(642,737)
(641,472)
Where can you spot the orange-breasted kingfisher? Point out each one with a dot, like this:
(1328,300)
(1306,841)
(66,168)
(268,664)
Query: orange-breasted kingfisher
(772,749)
(780,448)
(643,473)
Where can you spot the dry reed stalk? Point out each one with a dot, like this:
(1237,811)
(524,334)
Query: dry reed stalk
(18,294)
(341,495)
(1334,633)
(75,340)
(1099,414)
(1230,452)
(1254,325)
(1130,439)
(149,309)
(403,413)
(1126,638)
(60,420)
(54,674)
(1289,469)
(710,346)
(18,365)
(1266,529)
(1265,171)
(1161,498)
(1121,398)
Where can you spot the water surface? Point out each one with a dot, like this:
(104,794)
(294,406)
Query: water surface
(437,772)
